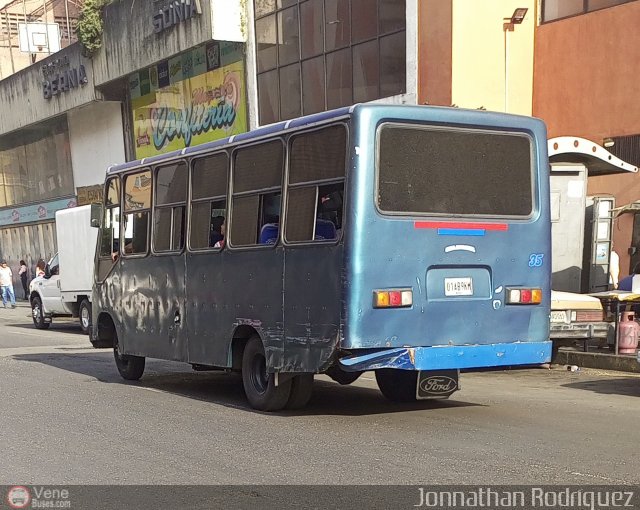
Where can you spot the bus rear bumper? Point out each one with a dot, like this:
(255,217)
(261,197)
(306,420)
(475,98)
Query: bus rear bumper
(450,357)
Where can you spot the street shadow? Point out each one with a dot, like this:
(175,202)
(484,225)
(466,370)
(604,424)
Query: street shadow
(226,389)
(56,327)
(626,386)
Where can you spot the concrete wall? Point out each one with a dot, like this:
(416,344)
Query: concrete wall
(478,49)
(587,84)
(25,89)
(434,51)
(92,151)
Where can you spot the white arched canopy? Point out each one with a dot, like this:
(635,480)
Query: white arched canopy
(597,159)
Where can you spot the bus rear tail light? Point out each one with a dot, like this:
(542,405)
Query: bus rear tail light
(524,296)
(396,298)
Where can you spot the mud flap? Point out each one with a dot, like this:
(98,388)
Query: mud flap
(437,383)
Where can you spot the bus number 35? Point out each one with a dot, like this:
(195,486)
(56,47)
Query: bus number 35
(536,259)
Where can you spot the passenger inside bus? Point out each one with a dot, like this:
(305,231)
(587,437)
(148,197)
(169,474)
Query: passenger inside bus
(216,239)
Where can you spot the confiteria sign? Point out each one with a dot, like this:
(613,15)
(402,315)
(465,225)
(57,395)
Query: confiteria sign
(178,11)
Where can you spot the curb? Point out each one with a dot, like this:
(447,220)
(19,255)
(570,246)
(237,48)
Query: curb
(597,360)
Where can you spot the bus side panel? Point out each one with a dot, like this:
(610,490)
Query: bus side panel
(312,306)
(229,290)
(153,307)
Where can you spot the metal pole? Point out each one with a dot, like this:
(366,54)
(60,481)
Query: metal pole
(6,18)
(66,12)
(44,15)
(24,13)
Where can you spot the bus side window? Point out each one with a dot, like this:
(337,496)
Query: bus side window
(169,207)
(257,194)
(137,208)
(209,184)
(110,233)
(315,189)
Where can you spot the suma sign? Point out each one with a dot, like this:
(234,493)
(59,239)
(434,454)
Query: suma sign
(178,11)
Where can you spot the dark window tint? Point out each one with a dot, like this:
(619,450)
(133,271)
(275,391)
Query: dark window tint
(245,220)
(311,28)
(313,92)
(301,207)
(209,177)
(318,155)
(171,184)
(339,78)
(269,97)
(266,37)
(365,19)
(110,232)
(290,91)
(452,172)
(393,74)
(338,24)
(392,15)
(365,71)
(314,213)
(168,229)
(288,50)
(258,167)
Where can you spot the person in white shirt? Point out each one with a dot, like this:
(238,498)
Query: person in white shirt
(6,285)
(614,269)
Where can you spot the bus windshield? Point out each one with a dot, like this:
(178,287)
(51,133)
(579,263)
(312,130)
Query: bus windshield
(446,171)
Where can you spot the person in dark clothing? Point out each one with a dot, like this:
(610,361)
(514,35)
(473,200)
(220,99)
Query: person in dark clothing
(217,232)
(23,272)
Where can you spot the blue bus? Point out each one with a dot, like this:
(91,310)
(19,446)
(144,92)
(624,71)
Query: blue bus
(413,241)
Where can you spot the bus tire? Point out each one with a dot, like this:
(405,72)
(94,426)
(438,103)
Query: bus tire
(37,314)
(130,367)
(260,386)
(301,389)
(397,385)
(342,376)
(84,313)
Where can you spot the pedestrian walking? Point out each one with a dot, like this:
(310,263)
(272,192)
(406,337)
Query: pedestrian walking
(6,285)
(24,277)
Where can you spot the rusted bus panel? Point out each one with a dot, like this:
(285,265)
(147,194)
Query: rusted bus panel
(312,306)
(153,307)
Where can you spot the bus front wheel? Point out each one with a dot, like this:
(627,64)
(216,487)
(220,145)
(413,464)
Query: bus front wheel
(397,385)
(130,367)
(259,385)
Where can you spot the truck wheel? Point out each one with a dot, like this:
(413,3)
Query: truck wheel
(37,314)
(301,389)
(259,386)
(342,376)
(130,367)
(84,312)
(397,385)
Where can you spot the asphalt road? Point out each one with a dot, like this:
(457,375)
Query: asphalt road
(68,418)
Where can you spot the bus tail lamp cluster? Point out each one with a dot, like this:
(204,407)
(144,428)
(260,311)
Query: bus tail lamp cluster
(524,296)
(395,298)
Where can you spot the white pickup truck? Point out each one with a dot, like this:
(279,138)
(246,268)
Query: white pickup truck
(65,289)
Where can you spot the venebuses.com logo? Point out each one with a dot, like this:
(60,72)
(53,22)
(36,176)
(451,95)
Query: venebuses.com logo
(18,497)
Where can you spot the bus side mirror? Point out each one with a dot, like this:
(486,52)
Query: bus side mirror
(96,215)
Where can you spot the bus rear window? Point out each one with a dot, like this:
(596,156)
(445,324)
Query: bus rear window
(427,170)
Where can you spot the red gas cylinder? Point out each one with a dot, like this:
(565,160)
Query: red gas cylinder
(628,331)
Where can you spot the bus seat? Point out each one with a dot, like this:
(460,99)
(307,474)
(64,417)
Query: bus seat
(325,230)
(268,233)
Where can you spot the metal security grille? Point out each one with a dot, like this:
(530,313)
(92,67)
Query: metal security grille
(627,148)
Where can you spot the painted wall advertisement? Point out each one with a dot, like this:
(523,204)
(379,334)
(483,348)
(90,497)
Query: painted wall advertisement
(196,97)
(36,212)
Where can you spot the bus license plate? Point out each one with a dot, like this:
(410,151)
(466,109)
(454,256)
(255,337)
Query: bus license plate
(458,286)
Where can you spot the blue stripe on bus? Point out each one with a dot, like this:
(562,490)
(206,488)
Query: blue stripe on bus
(460,232)
(451,356)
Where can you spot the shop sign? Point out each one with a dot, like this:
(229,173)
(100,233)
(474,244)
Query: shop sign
(90,194)
(178,11)
(33,213)
(60,76)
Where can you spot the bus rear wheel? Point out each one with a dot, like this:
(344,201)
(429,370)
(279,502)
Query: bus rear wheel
(130,367)
(259,385)
(301,389)
(397,385)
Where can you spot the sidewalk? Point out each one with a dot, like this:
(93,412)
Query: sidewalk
(602,359)
(22,311)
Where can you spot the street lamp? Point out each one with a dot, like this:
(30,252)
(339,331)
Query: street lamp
(509,26)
